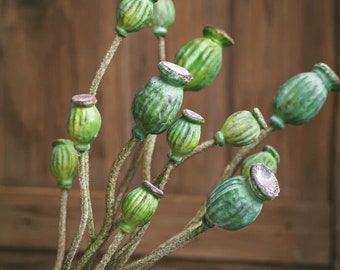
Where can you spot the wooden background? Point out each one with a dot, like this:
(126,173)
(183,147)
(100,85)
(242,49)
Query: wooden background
(50,50)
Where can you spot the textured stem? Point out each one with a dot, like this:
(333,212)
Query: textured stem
(104,64)
(163,178)
(91,226)
(108,222)
(122,256)
(161,45)
(83,182)
(149,147)
(167,247)
(62,229)
(111,250)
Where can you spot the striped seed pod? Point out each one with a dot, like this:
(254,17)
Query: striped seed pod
(268,156)
(163,16)
(184,135)
(64,162)
(133,15)
(236,202)
(139,206)
(241,128)
(202,57)
(84,121)
(157,103)
(300,98)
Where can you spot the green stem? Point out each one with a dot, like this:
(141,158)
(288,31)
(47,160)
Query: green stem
(167,247)
(108,222)
(91,226)
(62,229)
(83,182)
(104,64)
(111,250)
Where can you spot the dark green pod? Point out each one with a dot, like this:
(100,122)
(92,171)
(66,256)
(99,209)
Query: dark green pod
(202,57)
(157,103)
(268,156)
(184,135)
(236,202)
(139,206)
(84,121)
(163,16)
(241,128)
(300,98)
(133,15)
(64,162)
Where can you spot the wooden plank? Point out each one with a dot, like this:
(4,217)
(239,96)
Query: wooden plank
(286,231)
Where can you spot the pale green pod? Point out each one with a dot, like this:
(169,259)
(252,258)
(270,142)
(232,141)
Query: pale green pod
(184,135)
(64,163)
(268,156)
(163,16)
(133,15)
(84,121)
(139,206)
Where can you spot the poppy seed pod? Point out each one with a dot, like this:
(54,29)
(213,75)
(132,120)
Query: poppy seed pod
(157,103)
(300,98)
(133,15)
(202,57)
(84,121)
(268,156)
(184,134)
(139,206)
(236,202)
(64,162)
(163,16)
(241,128)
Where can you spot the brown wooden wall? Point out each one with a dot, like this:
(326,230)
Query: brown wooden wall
(50,50)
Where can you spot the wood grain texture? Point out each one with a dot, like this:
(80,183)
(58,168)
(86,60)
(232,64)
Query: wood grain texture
(50,50)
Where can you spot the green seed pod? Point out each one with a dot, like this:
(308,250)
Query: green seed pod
(268,156)
(133,15)
(139,206)
(184,135)
(64,162)
(84,121)
(157,103)
(202,57)
(300,98)
(236,202)
(163,16)
(241,128)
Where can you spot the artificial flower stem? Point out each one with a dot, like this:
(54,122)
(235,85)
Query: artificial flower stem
(104,64)
(62,229)
(167,247)
(83,182)
(108,222)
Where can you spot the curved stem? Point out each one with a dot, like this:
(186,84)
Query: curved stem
(108,222)
(83,181)
(167,247)
(62,229)
(126,251)
(111,250)
(104,64)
